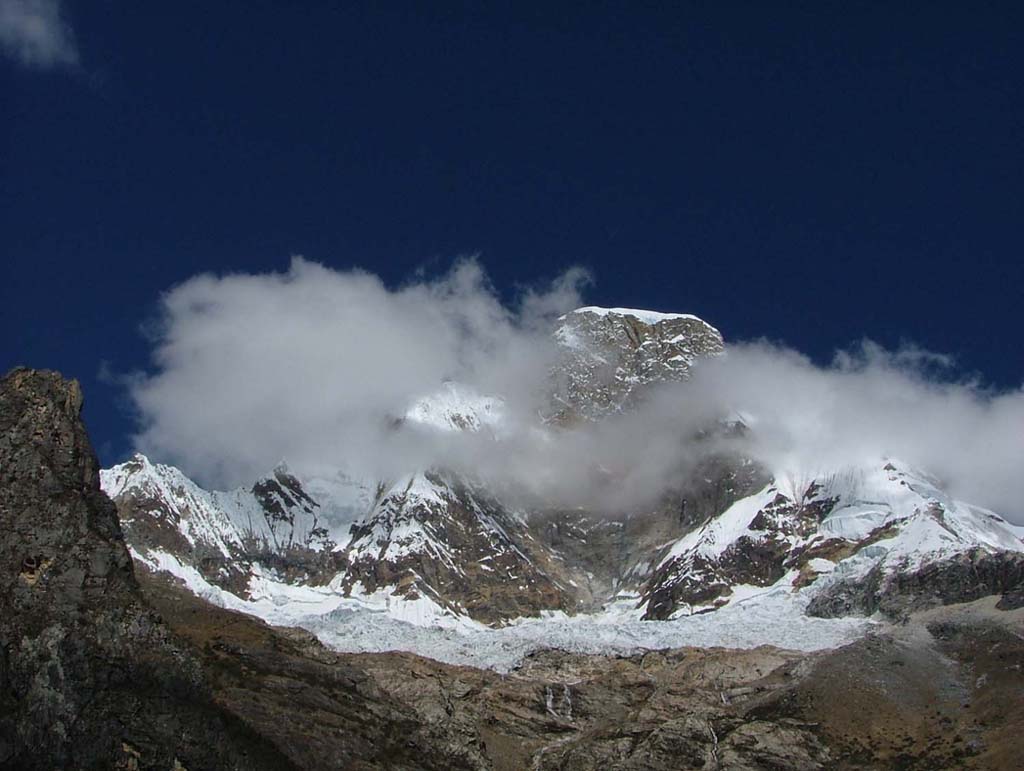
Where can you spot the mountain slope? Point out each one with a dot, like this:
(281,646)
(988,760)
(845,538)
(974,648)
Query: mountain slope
(829,531)
(276,523)
(435,537)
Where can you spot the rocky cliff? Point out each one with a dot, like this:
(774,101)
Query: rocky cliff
(91,677)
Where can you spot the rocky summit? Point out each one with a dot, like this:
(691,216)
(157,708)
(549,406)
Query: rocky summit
(743,618)
(611,355)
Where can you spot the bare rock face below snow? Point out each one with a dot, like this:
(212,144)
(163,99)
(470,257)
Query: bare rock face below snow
(89,676)
(276,525)
(968,576)
(611,355)
(604,556)
(433,537)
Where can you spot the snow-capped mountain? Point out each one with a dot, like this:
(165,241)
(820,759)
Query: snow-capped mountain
(276,523)
(437,536)
(829,532)
(457,408)
(434,546)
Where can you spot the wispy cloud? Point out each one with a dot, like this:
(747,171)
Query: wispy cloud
(36,34)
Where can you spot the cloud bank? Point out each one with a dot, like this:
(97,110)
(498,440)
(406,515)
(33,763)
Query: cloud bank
(35,34)
(317,366)
(871,403)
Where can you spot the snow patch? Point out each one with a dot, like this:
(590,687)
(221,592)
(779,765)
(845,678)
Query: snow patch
(457,408)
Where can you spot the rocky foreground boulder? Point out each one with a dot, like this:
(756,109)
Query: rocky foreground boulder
(105,668)
(90,675)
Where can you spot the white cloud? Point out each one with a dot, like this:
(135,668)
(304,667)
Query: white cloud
(314,364)
(34,33)
(873,403)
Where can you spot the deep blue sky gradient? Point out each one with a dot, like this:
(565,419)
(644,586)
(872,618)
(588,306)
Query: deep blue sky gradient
(814,173)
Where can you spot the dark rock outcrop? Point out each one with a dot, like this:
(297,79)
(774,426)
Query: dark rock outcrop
(90,678)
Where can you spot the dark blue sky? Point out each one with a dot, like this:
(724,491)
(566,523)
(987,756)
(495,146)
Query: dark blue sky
(814,173)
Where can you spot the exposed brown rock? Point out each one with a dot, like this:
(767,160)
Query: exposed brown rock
(488,569)
(610,359)
(89,677)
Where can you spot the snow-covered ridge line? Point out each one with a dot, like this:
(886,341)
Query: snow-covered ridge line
(276,510)
(648,317)
(925,526)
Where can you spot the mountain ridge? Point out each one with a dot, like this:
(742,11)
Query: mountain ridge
(437,547)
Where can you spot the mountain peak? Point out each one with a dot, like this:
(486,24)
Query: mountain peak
(610,356)
(646,316)
(141,460)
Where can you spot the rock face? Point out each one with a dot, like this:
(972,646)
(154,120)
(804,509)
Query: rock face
(227,536)
(610,356)
(447,548)
(862,539)
(968,576)
(90,677)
